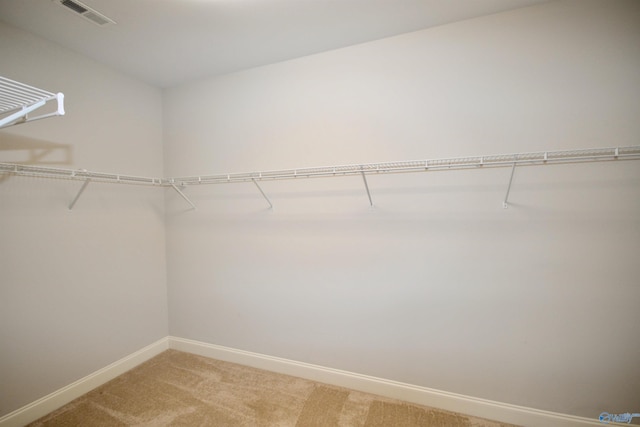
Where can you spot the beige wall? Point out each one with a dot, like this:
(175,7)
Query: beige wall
(438,285)
(78,289)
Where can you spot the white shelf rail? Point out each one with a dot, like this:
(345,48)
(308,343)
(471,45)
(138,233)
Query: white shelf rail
(79,175)
(18,100)
(454,163)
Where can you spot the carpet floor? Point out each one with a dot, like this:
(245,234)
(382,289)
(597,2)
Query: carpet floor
(182,389)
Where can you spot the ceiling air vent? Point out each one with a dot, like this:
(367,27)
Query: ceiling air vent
(86,12)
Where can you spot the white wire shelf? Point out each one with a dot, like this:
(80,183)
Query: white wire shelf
(454,163)
(79,175)
(18,100)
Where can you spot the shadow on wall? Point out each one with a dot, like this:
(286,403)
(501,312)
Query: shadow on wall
(32,151)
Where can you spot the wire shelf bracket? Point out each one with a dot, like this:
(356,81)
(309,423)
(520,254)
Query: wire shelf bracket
(505,204)
(75,199)
(366,187)
(263,194)
(184,196)
(18,100)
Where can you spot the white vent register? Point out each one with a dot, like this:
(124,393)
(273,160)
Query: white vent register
(85,12)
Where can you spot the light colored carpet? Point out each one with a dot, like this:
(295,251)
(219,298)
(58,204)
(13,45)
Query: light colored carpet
(181,389)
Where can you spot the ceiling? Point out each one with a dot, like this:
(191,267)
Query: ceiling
(169,42)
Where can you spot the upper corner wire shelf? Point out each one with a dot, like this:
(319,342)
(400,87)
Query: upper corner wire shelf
(18,100)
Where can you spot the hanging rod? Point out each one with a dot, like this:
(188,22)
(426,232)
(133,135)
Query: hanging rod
(17,100)
(454,163)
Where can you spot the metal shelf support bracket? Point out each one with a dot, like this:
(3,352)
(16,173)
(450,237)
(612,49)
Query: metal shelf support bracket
(183,195)
(262,192)
(75,199)
(366,186)
(505,205)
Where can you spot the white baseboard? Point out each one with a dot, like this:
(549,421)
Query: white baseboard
(55,400)
(482,408)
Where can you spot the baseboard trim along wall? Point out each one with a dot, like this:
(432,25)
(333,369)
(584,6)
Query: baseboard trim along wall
(61,397)
(483,408)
